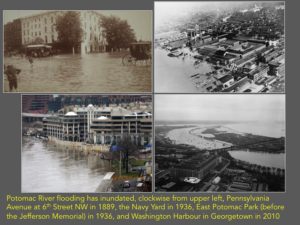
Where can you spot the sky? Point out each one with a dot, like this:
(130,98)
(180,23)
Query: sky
(225,107)
(140,20)
(165,12)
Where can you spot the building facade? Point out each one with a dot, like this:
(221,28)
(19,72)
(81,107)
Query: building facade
(42,27)
(100,125)
(196,169)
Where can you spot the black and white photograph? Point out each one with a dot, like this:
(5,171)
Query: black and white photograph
(86,143)
(220,143)
(211,46)
(89,51)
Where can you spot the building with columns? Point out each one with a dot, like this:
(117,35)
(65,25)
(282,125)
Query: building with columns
(100,125)
(43,27)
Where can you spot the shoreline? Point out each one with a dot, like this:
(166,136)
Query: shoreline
(210,137)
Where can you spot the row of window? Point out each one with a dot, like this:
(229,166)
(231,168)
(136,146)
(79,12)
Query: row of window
(28,40)
(37,20)
(46,30)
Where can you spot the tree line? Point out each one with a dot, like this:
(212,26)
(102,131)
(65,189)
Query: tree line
(117,32)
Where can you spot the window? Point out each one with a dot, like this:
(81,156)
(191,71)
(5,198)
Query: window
(46,39)
(45,20)
(45,29)
(52,38)
(51,19)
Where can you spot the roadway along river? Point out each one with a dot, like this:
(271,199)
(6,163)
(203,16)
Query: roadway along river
(47,169)
(99,72)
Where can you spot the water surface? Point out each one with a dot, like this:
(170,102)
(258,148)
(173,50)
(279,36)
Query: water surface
(45,168)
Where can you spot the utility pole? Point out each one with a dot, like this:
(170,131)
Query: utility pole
(120,163)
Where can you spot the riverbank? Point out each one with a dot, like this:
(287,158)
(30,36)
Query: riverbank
(211,137)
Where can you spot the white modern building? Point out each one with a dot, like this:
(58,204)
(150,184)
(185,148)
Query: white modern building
(100,125)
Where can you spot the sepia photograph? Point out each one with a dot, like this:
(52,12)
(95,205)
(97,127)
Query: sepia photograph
(220,143)
(211,46)
(86,143)
(89,51)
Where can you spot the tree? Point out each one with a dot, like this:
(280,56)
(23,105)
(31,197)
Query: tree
(127,147)
(118,33)
(69,30)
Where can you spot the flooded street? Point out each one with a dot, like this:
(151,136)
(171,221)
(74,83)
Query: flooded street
(99,72)
(173,74)
(45,168)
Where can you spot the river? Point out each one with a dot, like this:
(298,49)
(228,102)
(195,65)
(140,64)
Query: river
(269,129)
(261,158)
(91,73)
(172,74)
(191,136)
(45,168)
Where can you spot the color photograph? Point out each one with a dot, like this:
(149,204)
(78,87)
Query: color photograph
(86,143)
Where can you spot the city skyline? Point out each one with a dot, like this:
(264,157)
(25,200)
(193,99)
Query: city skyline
(164,12)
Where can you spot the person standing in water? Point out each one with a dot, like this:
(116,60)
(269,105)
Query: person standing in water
(11,73)
(30,59)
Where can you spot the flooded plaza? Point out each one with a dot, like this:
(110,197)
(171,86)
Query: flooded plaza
(46,168)
(98,72)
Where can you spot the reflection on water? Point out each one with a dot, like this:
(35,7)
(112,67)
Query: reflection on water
(99,72)
(261,158)
(48,169)
(172,74)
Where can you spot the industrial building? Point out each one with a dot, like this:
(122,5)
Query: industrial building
(198,167)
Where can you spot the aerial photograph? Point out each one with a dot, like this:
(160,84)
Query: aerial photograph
(100,51)
(220,143)
(236,46)
(86,143)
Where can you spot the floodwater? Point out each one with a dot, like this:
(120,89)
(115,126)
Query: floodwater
(261,158)
(91,73)
(173,74)
(190,136)
(272,129)
(45,168)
